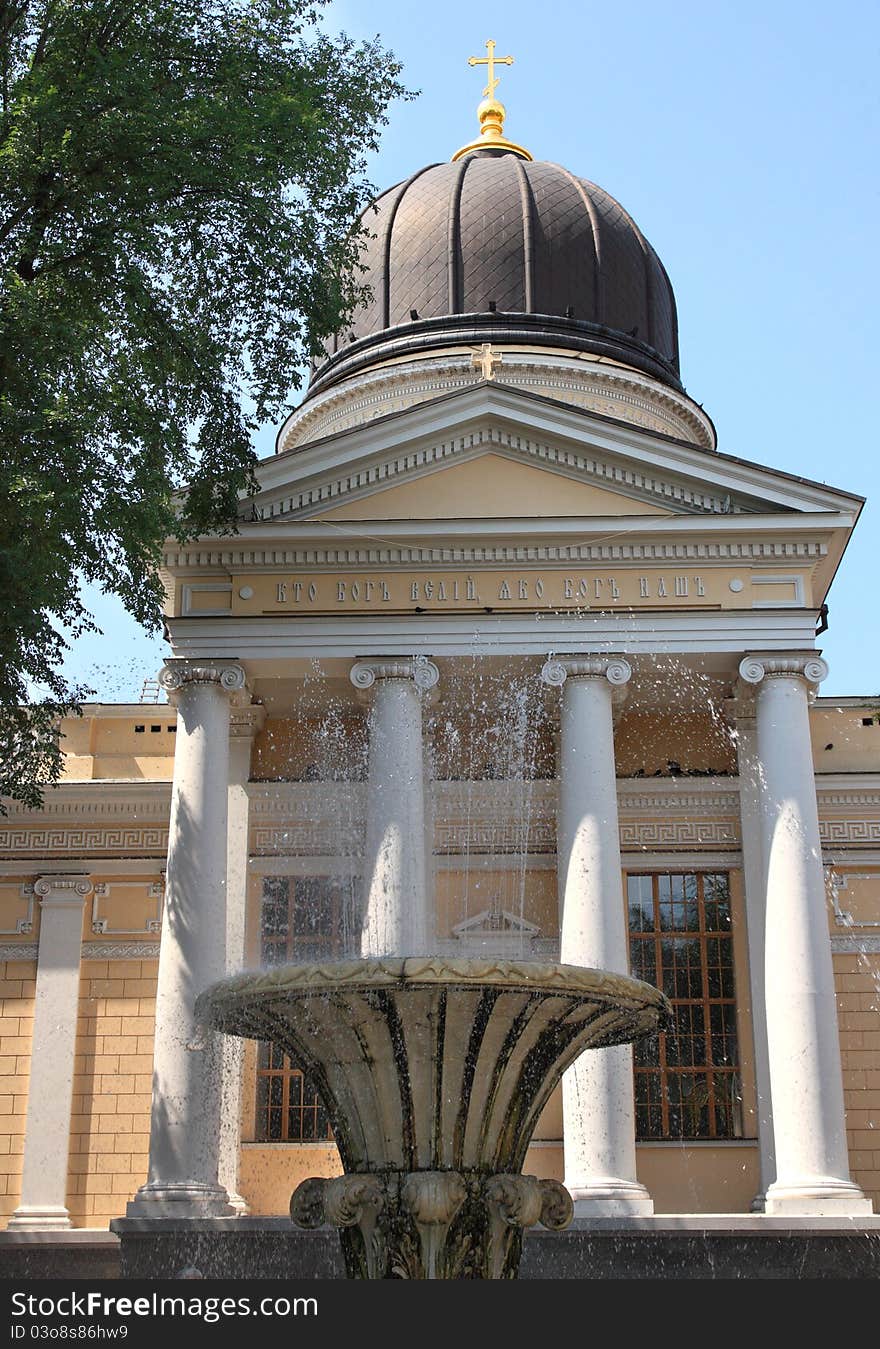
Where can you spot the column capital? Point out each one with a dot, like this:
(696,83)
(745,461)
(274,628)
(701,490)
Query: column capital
(176,673)
(614,669)
(62,891)
(423,672)
(806,665)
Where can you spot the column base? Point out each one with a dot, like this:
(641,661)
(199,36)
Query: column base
(180,1199)
(238,1204)
(817,1196)
(606,1197)
(40,1218)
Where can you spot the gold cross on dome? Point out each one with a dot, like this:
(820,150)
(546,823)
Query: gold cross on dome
(485,360)
(490,60)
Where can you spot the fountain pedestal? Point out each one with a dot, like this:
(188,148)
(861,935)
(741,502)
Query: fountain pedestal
(434,1073)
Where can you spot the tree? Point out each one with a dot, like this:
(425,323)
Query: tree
(179,180)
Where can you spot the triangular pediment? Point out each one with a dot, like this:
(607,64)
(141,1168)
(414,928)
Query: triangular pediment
(491,453)
(495,922)
(490,486)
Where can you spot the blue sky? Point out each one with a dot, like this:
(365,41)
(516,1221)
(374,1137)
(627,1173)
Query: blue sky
(744,140)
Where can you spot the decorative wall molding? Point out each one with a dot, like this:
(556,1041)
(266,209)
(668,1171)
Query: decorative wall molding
(104,891)
(855,945)
(24,924)
(120,950)
(18,950)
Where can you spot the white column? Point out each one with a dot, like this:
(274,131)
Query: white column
(397,918)
(185,1121)
(597,1091)
(812,1164)
(47,1130)
(750,790)
(246,720)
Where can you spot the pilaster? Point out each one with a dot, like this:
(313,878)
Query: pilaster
(47,1131)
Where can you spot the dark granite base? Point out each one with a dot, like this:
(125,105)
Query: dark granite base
(269,1248)
(77,1254)
(646,1249)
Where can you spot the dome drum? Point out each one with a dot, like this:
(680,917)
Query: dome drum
(533,330)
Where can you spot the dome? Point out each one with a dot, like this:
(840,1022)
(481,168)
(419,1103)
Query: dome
(497,248)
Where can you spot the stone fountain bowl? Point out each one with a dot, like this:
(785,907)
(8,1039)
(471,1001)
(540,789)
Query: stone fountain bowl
(434,1073)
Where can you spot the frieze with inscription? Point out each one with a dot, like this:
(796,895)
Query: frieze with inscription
(548,589)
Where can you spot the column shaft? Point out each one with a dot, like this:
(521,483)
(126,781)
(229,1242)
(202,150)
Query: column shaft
(185,1121)
(43,1203)
(396,919)
(812,1165)
(245,721)
(597,1091)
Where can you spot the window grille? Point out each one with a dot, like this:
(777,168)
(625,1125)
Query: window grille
(687,1081)
(303,918)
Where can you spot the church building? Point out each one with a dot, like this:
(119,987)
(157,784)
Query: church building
(505,637)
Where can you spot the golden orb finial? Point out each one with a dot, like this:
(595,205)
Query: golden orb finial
(491,111)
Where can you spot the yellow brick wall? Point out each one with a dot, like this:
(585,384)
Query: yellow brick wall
(110,1116)
(17,988)
(857,980)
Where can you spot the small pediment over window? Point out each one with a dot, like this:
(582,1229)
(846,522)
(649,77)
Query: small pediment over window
(495,927)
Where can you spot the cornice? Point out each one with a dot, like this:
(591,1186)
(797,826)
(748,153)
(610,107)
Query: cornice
(586,466)
(95,799)
(520,543)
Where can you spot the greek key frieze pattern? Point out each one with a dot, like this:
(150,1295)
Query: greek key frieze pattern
(45,842)
(476,836)
(318,838)
(849,831)
(678,833)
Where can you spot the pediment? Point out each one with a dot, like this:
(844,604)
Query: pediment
(491,486)
(491,452)
(495,929)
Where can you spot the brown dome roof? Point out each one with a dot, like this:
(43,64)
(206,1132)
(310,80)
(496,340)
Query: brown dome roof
(495,248)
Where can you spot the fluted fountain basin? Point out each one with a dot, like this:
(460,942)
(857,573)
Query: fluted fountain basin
(434,1073)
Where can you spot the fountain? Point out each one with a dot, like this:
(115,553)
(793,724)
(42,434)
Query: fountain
(434,1072)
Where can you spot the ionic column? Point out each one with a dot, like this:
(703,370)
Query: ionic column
(43,1204)
(246,720)
(750,788)
(185,1121)
(597,1091)
(396,890)
(812,1164)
